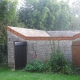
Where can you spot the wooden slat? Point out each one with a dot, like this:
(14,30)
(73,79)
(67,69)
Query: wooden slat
(76,55)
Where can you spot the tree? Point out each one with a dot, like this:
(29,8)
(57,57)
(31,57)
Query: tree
(45,14)
(63,19)
(75,12)
(7,15)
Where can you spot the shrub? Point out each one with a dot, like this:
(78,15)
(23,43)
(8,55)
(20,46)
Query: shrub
(47,67)
(69,69)
(58,63)
(35,66)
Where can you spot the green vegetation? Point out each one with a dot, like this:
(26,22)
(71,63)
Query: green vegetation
(8,12)
(59,63)
(35,66)
(7,74)
(45,14)
(50,15)
(7,16)
(56,64)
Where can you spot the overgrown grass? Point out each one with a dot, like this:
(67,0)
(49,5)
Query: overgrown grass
(7,74)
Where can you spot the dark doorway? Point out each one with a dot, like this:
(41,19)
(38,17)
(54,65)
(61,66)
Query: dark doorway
(20,54)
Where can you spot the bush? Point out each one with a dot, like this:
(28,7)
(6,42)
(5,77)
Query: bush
(69,69)
(58,63)
(47,67)
(35,66)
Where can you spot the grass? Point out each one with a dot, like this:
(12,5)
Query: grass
(7,74)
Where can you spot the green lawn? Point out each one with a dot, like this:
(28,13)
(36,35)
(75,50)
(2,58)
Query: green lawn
(7,74)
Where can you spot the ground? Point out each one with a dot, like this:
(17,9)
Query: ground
(8,74)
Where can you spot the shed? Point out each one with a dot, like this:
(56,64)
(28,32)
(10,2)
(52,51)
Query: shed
(37,43)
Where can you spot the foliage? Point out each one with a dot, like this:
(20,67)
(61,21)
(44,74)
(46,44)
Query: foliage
(0,57)
(45,14)
(3,50)
(47,66)
(69,69)
(64,17)
(7,11)
(7,15)
(58,63)
(75,12)
(35,66)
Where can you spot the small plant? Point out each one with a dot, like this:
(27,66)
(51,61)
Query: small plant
(35,66)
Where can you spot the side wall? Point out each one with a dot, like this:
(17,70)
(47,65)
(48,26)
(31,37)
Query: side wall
(41,48)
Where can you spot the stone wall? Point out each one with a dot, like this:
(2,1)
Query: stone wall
(41,48)
(10,44)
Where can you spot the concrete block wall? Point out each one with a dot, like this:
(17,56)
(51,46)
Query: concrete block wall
(42,48)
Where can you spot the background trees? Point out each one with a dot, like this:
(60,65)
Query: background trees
(7,15)
(45,14)
(75,12)
(39,14)
(8,11)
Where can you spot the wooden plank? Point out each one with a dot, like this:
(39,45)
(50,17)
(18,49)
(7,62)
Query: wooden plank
(76,55)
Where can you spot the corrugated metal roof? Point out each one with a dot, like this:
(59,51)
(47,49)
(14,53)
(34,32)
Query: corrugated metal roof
(30,32)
